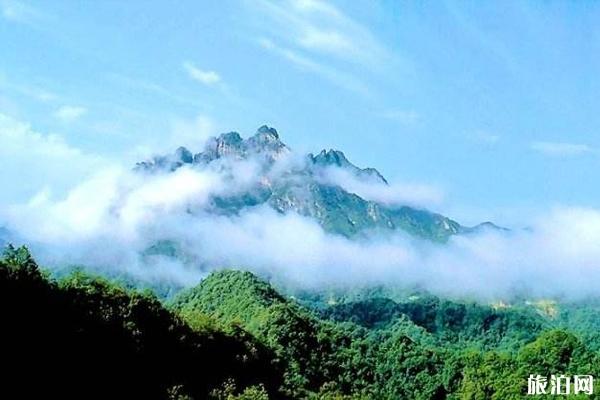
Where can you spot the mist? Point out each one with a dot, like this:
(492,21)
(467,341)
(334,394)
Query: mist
(392,194)
(110,219)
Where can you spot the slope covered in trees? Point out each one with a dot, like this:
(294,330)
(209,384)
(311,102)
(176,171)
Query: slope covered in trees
(236,337)
(83,337)
(379,348)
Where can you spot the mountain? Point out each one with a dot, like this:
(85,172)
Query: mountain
(236,297)
(338,159)
(303,187)
(319,356)
(418,347)
(115,343)
(236,337)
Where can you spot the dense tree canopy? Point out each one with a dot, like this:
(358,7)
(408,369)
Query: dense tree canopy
(83,337)
(236,337)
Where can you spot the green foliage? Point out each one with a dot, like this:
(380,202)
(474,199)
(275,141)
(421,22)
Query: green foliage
(345,213)
(447,322)
(237,298)
(229,392)
(85,337)
(375,347)
(234,337)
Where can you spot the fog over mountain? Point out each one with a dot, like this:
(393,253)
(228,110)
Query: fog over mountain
(307,220)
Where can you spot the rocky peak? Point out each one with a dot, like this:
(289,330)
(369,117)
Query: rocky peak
(331,157)
(268,132)
(183,155)
(487,226)
(168,162)
(226,144)
(337,158)
(266,141)
(230,143)
(230,138)
(264,136)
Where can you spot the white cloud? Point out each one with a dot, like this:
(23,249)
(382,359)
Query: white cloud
(394,194)
(561,149)
(486,138)
(558,255)
(152,87)
(32,161)
(36,93)
(404,117)
(190,133)
(327,41)
(320,27)
(114,202)
(320,38)
(202,76)
(30,90)
(338,78)
(69,113)
(19,11)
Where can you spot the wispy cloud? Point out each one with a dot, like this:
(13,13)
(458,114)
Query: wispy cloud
(133,212)
(69,113)
(320,38)
(486,138)
(40,94)
(402,116)
(561,149)
(320,27)
(32,160)
(190,133)
(338,78)
(19,11)
(205,77)
(393,194)
(29,90)
(151,87)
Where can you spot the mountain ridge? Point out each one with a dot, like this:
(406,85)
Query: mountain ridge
(304,188)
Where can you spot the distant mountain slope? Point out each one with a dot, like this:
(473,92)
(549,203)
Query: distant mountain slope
(423,348)
(300,188)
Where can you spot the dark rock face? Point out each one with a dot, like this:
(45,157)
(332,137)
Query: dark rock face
(184,155)
(227,144)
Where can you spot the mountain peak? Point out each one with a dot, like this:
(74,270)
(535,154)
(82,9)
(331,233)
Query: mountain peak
(266,130)
(184,155)
(300,189)
(487,226)
(331,157)
(230,138)
(266,140)
(337,158)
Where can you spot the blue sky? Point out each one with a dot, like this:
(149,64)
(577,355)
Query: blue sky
(495,103)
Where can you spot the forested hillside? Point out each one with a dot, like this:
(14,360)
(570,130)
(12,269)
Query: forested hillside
(83,337)
(235,336)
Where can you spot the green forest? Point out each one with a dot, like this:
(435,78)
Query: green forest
(236,336)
